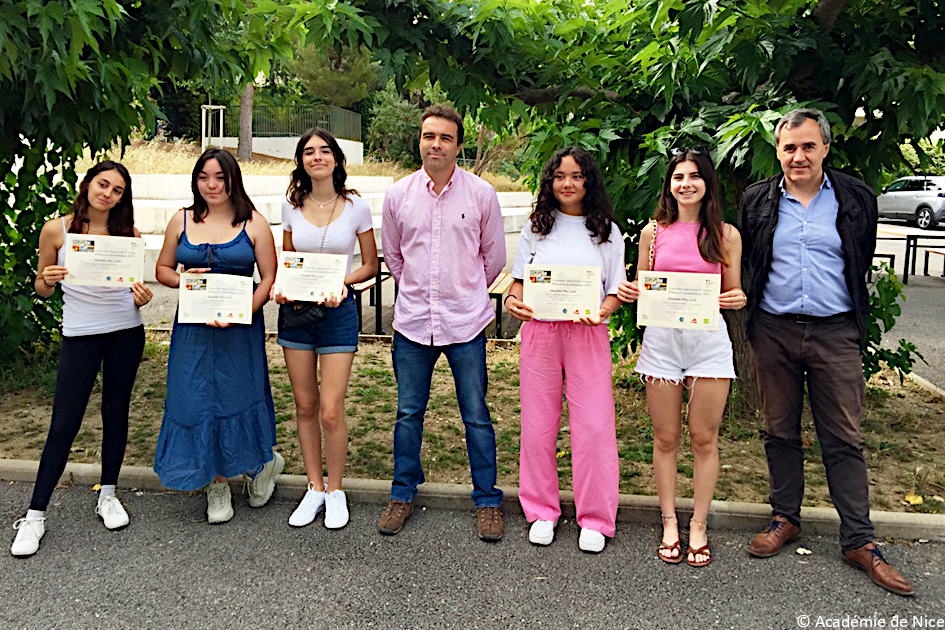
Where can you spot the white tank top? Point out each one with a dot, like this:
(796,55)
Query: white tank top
(95,310)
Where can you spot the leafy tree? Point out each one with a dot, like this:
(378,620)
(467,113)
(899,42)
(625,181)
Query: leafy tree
(338,77)
(77,74)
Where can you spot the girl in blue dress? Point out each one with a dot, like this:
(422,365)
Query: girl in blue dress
(219,419)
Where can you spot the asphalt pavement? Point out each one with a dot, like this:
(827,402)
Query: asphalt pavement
(923,311)
(170,569)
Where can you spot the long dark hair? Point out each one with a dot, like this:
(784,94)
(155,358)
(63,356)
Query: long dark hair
(598,212)
(121,218)
(710,216)
(233,179)
(301,184)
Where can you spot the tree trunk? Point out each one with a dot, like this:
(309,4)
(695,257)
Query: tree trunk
(245,151)
(748,402)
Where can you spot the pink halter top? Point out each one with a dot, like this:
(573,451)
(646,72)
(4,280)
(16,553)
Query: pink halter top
(677,249)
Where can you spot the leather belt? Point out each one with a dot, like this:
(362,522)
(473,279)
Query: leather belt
(798,318)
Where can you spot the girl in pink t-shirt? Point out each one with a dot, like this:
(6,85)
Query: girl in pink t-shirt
(690,237)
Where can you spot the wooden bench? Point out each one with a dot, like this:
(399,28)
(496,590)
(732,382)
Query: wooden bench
(939,252)
(358,288)
(497,290)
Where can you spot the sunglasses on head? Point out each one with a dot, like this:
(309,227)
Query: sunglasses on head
(698,150)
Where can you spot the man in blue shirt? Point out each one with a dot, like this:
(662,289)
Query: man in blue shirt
(808,237)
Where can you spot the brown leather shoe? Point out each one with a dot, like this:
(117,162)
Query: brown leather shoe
(868,558)
(392,520)
(489,523)
(778,533)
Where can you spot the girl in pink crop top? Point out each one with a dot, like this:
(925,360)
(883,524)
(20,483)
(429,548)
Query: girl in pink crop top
(690,237)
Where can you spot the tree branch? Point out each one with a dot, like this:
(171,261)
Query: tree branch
(826,12)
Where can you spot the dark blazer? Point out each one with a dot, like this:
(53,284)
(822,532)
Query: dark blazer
(856,224)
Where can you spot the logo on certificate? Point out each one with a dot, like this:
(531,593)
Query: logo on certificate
(196,284)
(540,276)
(83,245)
(293,262)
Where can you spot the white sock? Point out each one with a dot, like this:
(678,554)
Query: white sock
(34,514)
(106,491)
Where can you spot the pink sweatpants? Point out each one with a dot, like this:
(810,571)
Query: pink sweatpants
(583,353)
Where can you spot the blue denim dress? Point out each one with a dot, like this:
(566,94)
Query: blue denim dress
(218,415)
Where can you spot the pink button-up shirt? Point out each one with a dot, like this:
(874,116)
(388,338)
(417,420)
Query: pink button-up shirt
(443,251)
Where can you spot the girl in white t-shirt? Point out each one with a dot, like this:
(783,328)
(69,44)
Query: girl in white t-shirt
(101,331)
(321,215)
(572,224)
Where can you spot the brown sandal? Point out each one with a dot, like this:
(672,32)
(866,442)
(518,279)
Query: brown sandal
(701,551)
(670,559)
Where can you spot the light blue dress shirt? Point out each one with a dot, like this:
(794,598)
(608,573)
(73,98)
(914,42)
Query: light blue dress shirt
(806,276)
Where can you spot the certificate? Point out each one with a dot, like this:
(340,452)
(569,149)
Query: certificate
(673,299)
(104,261)
(310,277)
(205,297)
(562,292)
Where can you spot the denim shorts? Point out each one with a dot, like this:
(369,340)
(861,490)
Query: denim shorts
(336,332)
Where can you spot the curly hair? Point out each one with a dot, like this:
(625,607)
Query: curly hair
(121,217)
(233,178)
(598,211)
(710,216)
(301,184)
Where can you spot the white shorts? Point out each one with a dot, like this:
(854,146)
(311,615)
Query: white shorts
(676,353)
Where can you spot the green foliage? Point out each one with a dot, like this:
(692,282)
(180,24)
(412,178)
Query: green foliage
(337,77)
(78,74)
(923,157)
(885,293)
(395,128)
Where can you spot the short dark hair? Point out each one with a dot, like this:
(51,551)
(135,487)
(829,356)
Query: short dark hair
(233,178)
(796,118)
(447,112)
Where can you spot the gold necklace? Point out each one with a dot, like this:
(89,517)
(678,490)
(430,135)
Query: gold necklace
(320,204)
(98,230)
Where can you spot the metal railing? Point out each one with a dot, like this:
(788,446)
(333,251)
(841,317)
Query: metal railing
(279,121)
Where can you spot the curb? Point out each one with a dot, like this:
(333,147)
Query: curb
(631,508)
(926,384)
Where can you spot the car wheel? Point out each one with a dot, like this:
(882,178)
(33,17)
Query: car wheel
(923,218)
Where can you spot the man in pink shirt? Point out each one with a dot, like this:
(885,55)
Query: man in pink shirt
(444,243)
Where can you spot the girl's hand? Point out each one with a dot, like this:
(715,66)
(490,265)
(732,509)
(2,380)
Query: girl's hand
(197,270)
(218,324)
(518,309)
(53,274)
(335,300)
(587,320)
(628,291)
(278,297)
(733,299)
(142,294)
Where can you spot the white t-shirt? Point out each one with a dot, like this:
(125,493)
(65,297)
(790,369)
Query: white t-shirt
(570,243)
(340,235)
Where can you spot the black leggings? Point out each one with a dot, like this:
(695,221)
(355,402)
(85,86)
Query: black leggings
(118,354)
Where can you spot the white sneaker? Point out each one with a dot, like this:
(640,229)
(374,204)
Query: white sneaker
(219,503)
(28,534)
(591,541)
(336,509)
(112,512)
(262,485)
(542,532)
(312,503)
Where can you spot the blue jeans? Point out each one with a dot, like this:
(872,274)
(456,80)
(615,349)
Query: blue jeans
(413,368)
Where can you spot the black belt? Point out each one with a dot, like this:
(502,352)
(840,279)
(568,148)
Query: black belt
(811,319)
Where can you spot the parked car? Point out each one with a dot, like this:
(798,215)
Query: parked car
(919,200)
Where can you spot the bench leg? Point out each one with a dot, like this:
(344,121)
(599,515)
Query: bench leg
(357,302)
(498,317)
(925,270)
